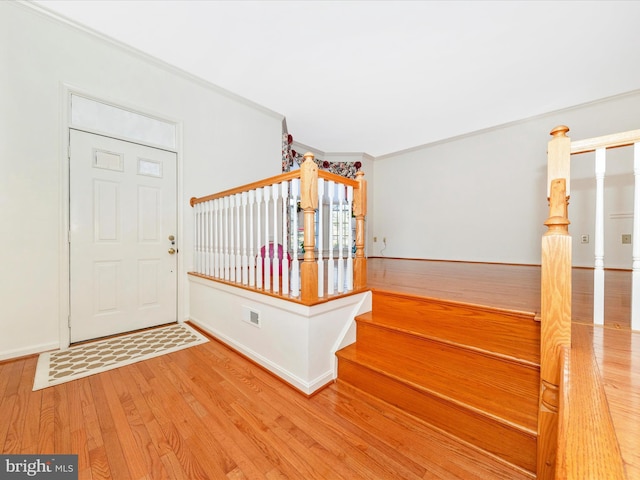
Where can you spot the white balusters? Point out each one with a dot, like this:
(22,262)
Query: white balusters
(598,273)
(232,238)
(220,273)
(252,258)
(321,235)
(196,237)
(284,265)
(295,263)
(331,190)
(275,260)
(267,256)
(252,238)
(238,237)
(245,260)
(341,220)
(260,262)
(635,282)
(216,237)
(208,237)
(225,228)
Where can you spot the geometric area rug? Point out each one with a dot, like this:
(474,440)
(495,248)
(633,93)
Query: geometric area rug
(87,359)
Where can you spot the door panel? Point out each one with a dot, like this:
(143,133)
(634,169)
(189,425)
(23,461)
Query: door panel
(122,213)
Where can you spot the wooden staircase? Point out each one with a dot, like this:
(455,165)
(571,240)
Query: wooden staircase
(472,371)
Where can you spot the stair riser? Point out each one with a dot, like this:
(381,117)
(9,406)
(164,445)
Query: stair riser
(504,333)
(503,388)
(514,446)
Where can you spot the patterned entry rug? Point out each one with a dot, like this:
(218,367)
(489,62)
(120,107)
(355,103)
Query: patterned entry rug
(90,358)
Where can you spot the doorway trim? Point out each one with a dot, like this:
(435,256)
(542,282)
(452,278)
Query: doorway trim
(64,256)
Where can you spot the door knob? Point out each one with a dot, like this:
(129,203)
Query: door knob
(172,251)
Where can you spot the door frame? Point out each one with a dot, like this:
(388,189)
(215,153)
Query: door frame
(66,90)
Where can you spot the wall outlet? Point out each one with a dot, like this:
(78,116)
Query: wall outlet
(626,238)
(584,238)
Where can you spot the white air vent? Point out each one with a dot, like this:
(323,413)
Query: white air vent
(251,316)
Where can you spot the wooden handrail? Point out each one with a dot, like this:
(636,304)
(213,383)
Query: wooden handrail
(340,179)
(615,140)
(308,174)
(587,445)
(249,186)
(283,177)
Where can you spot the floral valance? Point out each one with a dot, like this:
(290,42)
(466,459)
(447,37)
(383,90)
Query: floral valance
(292,160)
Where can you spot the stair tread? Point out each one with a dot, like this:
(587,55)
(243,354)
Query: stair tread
(381,322)
(516,334)
(494,393)
(507,440)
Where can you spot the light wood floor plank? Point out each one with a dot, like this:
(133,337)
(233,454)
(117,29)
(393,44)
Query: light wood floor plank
(9,403)
(116,461)
(18,425)
(46,422)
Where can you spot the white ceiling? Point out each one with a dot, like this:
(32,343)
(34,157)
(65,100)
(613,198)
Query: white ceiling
(383,76)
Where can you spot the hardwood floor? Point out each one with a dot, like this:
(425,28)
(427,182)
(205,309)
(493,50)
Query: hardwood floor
(208,413)
(517,287)
(513,287)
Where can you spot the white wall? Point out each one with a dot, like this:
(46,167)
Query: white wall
(295,342)
(226,141)
(482,197)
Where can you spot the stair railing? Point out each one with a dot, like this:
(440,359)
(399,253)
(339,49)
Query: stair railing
(559,380)
(600,145)
(249,236)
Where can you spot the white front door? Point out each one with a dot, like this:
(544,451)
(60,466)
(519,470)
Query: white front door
(122,236)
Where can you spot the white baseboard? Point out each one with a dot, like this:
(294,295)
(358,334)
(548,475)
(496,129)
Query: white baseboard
(306,387)
(31,350)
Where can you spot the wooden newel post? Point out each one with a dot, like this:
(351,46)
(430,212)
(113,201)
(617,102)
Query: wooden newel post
(555,307)
(309,204)
(360,212)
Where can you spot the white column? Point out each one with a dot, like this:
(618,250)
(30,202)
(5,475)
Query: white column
(284,265)
(295,263)
(598,273)
(635,239)
(321,234)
